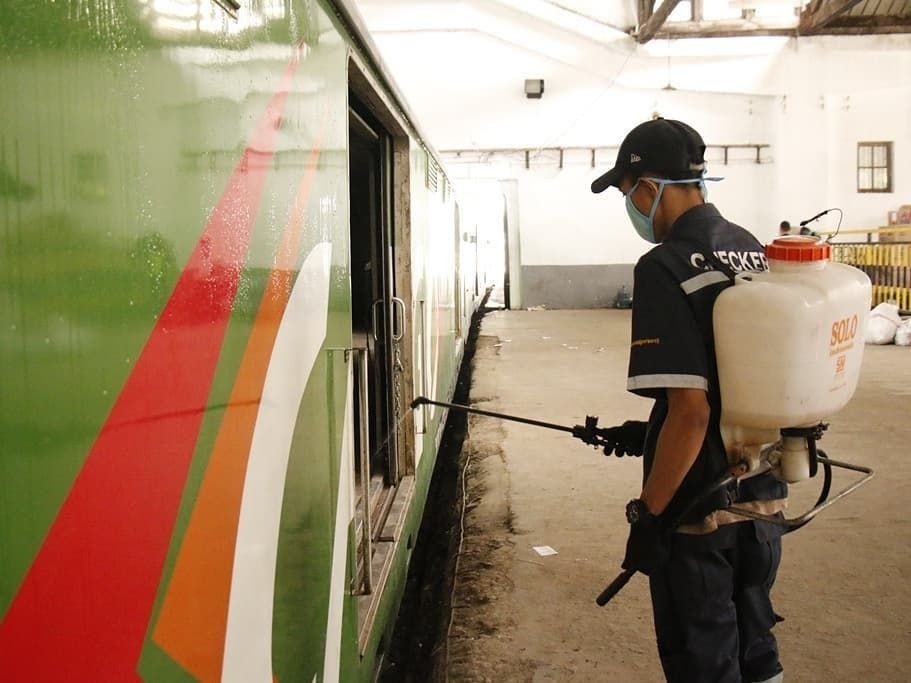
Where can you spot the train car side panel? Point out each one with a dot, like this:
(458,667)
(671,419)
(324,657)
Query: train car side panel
(178,476)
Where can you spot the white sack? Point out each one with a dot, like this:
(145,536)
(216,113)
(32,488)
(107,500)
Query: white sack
(903,333)
(882,325)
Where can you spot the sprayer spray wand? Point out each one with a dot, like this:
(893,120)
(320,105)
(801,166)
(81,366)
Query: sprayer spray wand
(590,432)
(596,436)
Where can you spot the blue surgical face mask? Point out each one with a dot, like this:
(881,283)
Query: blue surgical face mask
(645,225)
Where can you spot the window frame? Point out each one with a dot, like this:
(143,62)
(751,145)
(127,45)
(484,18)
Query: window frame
(872,167)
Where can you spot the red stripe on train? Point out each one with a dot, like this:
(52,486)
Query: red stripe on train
(82,610)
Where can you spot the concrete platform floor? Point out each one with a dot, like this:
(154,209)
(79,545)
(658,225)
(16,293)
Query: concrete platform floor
(843,585)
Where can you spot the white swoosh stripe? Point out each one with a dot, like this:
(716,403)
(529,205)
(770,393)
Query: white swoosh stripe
(248,641)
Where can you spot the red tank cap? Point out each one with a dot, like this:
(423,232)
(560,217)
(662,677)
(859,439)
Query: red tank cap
(797,248)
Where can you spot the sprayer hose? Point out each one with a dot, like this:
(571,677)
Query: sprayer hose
(826,487)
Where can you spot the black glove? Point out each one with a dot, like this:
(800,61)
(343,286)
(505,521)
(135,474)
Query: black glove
(626,439)
(648,546)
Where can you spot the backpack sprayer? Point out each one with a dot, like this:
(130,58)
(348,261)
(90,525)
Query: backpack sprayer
(788,356)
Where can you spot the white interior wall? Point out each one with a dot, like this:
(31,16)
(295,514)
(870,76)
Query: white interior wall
(563,223)
(838,92)
(811,99)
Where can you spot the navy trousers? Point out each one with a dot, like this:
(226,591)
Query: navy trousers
(713,614)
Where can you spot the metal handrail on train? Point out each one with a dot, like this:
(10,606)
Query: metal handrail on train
(363,586)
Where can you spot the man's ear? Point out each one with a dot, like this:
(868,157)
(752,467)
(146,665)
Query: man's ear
(650,186)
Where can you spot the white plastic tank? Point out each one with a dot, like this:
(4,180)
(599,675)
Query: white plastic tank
(789,342)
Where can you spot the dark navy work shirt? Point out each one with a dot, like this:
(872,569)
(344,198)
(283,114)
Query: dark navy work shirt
(673,344)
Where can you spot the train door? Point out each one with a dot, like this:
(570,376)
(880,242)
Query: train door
(378,321)
(372,329)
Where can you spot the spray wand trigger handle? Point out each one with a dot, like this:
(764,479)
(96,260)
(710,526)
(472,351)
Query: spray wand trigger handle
(589,431)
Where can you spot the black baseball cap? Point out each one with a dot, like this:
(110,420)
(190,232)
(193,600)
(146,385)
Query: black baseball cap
(671,148)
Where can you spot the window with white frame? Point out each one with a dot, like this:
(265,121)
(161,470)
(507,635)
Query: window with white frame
(874,166)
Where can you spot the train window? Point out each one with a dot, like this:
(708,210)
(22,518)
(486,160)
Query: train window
(422,362)
(458,289)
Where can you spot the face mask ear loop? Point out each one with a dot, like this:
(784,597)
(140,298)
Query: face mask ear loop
(651,215)
(632,191)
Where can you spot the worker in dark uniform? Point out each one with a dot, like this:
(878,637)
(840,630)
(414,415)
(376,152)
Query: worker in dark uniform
(711,575)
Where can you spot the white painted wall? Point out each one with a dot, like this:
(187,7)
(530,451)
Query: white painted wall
(811,99)
(562,223)
(838,92)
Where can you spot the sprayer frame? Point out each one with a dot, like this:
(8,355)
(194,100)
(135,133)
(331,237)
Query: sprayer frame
(816,457)
(824,501)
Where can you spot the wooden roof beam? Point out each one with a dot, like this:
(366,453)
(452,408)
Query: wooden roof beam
(644,10)
(655,21)
(818,13)
(885,29)
(720,29)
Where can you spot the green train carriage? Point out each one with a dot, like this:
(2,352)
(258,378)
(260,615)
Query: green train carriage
(229,262)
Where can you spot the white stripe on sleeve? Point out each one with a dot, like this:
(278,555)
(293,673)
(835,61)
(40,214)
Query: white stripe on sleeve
(667,381)
(710,277)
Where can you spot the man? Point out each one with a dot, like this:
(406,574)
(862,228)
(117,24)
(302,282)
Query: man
(710,575)
(784,229)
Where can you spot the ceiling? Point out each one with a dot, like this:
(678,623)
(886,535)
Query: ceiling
(648,19)
(486,42)
(462,65)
